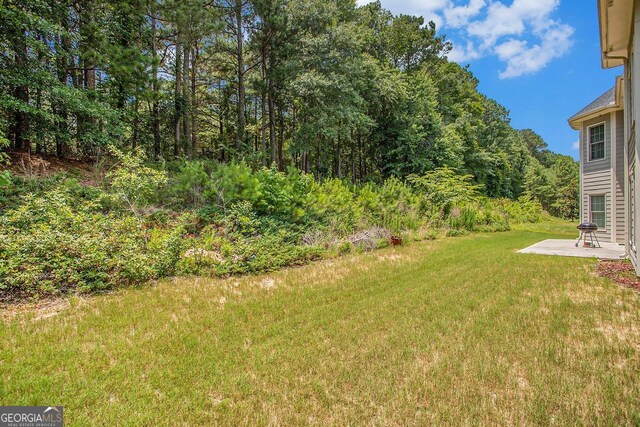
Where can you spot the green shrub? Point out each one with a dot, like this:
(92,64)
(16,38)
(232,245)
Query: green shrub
(464,218)
(186,187)
(332,203)
(5,178)
(382,243)
(55,244)
(232,183)
(57,235)
(443,188)
(482,215)
(12,192)
(134,183)
(525,209)
(456,232)
(344,248)
(242,219)
(220,256)
(284,196)
(167,245)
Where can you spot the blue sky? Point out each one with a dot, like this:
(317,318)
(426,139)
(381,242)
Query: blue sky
(538,58)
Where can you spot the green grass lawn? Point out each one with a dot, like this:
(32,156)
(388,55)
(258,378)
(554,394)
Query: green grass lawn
(459,330)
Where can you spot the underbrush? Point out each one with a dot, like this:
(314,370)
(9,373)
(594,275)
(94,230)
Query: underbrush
(149,221)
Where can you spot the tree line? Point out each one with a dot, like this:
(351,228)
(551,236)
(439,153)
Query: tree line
(330,88)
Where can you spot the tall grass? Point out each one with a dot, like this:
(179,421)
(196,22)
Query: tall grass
(458,331)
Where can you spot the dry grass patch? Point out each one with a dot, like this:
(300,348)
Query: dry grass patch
(455,331)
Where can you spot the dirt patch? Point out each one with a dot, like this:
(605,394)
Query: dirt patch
(267,283)
(621,272)
(202,253)
(40,310)
(391,257)
(31,166)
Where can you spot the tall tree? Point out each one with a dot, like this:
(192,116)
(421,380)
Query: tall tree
(329,87)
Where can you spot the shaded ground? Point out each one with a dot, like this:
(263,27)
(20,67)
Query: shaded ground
(31,166)
(455,331)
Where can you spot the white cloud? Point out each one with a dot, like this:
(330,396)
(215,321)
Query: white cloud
(458,16)
(524,34)
(429,9)
(526,19)
(522,59)
(576,145)
(467,53)
(421,4)
(413,7)
(510,49)
(502,20)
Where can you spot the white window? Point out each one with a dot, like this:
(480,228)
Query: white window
(598,211)
(596,142)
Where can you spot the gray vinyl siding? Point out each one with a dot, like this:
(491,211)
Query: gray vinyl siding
(596,175)
(629,94)
(620,179)
(633,93)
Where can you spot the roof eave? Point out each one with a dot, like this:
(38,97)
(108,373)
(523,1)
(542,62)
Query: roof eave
(614,39)
(576,121)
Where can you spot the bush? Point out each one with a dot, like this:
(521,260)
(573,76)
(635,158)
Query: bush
(217,255)
(242,219)
(186,187)
(134,183)
(57,235)
(55,243)
(482,215)
(333,204)
(232,183)
(5,178)
(264,253)
(443,189)
(12,192)
(525,209)
(400,207)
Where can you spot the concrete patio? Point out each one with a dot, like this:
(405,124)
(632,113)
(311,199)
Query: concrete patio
(567,247)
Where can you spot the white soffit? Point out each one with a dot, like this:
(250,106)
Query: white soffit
(615,18)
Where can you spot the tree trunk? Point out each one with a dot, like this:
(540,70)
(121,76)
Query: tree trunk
(86,59)
(281,140)
(352,159)
(178,97)
(21,119)
(39,147)
(240,136)
(136,120)
(272,122)
(360,155)
(62,63)
(263,127)
(221,136)
(89,76)
(194,101)
(186,88)
(318,162)
(155,109)
(339,158)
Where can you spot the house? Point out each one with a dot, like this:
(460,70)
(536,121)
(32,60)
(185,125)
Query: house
(607,126)
(601,126)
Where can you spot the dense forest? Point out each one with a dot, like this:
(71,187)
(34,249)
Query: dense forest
(328,87)
(235,136)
